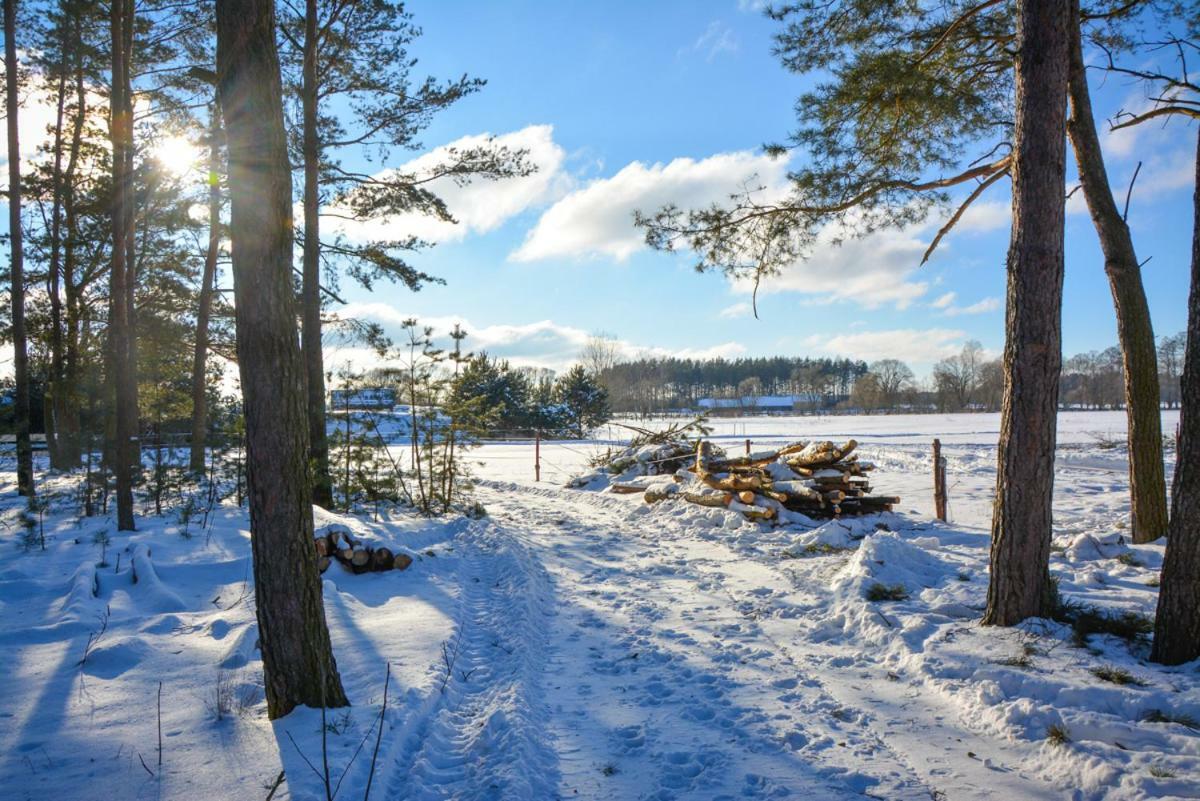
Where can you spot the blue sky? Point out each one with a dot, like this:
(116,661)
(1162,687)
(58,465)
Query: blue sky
(627,105)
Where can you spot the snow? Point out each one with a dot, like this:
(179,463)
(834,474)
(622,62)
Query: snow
(587,645)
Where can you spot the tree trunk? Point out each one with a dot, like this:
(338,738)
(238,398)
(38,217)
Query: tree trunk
(196,461)
(124,378)
(17,267)
(1177,623)
(310,292)
(67,397)
(298,661)
(1147,487)
(1021,523)
(54,275)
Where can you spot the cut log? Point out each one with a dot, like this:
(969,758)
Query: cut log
(746,496)
(360,560)
(322,563)
(382,559)
(626,489)
(402,561)
(713,499)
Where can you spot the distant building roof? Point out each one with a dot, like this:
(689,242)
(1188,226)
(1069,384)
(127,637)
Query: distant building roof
(758,401)
(365,398)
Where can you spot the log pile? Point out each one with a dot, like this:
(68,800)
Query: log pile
(356,556)
(817,479)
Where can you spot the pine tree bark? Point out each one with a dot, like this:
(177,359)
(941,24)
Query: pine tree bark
(1021,523)
(1147,486)
(54,274)
(67,396)
(17,266)
(1177,622)
(126,449)
(298,661)
(310,292)
(196,459)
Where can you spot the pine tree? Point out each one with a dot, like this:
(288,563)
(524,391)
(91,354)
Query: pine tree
(354,55)
(584,401)
(1177,622)
(916,100)
(25,485)
(297,656)
(1020,585)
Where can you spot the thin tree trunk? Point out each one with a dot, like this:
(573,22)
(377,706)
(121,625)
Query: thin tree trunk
(1021,524)
(17,269)
(1177,623)
(124,380)
(67,398)
(54,274)
(196,460)
(310,292)
(1147,487)
(298,663)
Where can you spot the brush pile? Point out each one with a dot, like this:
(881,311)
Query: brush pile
(816,479)
(649,453)
(356,556)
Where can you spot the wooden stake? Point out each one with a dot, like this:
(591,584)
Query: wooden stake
(537,455)
(747,447)
(939,481)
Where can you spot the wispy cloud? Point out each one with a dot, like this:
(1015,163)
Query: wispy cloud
(543,343)
(906,344)
(718,38)
(478,206)
(735,311)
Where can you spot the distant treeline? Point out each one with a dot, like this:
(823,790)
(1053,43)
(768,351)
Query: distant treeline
(967,380)
(647,386)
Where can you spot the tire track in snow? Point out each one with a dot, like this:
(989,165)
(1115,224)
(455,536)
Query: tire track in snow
(708,700)
(481,733)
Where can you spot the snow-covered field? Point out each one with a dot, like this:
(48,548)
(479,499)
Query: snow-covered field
(586,645)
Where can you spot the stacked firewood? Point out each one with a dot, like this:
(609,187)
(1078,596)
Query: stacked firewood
(355,555)
(817,479)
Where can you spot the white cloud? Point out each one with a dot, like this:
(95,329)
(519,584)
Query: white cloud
(544,343)
(989,215)
(945,301)
(597,219)
(906,344)
(735,311)
(871,271)
(982,307)
(479,206)
(717,38)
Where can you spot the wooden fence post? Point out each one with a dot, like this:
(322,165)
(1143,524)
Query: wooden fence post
(747,447)
(537,455)
(939,481)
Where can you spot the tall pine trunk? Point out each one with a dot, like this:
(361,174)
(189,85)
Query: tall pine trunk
(126,449)
(1021,523)
(67,396)
(17,266)
(1147,487)
(1177,623)
(204,310)
(298,661)
(310,293)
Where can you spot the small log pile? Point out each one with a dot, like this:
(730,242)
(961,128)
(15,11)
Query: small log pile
(817,479)
(356,556)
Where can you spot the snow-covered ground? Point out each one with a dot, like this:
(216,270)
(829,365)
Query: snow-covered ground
(586,645)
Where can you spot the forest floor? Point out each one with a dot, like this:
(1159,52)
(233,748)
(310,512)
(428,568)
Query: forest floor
(585,645)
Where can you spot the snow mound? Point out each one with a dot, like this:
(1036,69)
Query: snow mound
(885,558)
(1091,547)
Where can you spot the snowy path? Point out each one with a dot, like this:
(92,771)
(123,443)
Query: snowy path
(677,673)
